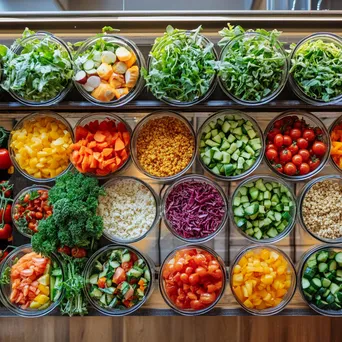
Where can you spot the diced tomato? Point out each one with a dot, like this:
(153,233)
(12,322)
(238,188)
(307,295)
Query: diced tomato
(119,276)
(127,265)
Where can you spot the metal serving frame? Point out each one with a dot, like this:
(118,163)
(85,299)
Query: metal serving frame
(143,28)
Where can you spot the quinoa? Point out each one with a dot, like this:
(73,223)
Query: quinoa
(128,209)
(322,209)
(165,146)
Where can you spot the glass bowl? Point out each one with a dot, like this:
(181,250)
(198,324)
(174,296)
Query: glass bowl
(302,263)
(5,290)
(338,121)
(62,46)
(102,253)
(100,117)
(213,83)
(140,62)
(287,297)
(231,47)
(28,233)
(304,192)
(293,210)
(297,89)
(311,120)
(19,125)
(201,179)
(191,312)
(158,115)
(117,239)
(220,115)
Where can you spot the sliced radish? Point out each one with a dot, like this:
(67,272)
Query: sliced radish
(81,77)
(93,81)
(92,72)
(97,56)
(108,57)
(88,65)
(87,87)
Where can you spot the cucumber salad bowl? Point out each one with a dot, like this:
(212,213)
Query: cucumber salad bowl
(119,280)
(263,209)
(230,145)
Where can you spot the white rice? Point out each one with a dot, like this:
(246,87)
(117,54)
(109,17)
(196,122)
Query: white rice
(128,209)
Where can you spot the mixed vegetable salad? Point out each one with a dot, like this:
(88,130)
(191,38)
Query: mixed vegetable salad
(230,145)
(119,279)
(322,280)
(36,68)
(107,68)
(182,66)
(253,64)
(31,207)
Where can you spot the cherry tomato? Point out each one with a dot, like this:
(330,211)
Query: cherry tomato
(208,298)
(318,131)
(5,215)
(189,270)
(271,135)
(302,143)
(101,283)
(309,134)
(201,271)
(179,266)
(5,160)
(287,140)
(127,265)
(279,140)
(200,259)
(39,215)
(293,148)
(285,156)
(298,124)
(290,169)
(297,159)
(279,123)
(295,133)
(304,154)
(194,279)
(271,154)
(6,188)
(271,146)
(77,252)
(5,231)
(304,169)
(66,250)
(319,148)
(279,168)
(313,163)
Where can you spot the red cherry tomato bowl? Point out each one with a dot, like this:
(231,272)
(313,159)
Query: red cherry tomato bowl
(6,289)
(257,249)
(192,279)
(21,219)
(297,145)
(107,125)
(114,264)
(307,187)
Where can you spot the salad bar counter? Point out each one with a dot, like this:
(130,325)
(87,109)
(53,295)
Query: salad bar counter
(143,186)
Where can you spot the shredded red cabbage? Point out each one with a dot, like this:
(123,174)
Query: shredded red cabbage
(194,209)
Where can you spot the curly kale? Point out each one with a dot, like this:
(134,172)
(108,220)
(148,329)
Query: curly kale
(74,221)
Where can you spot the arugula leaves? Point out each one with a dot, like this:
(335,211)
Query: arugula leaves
(254,65)
(39,72)
(182,66)
(316,67)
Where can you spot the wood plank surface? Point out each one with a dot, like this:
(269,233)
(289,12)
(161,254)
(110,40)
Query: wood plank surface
(175,329)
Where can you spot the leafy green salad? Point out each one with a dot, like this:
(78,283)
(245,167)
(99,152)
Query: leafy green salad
(316,67)
(182,66)
(40,71)
(253,64)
